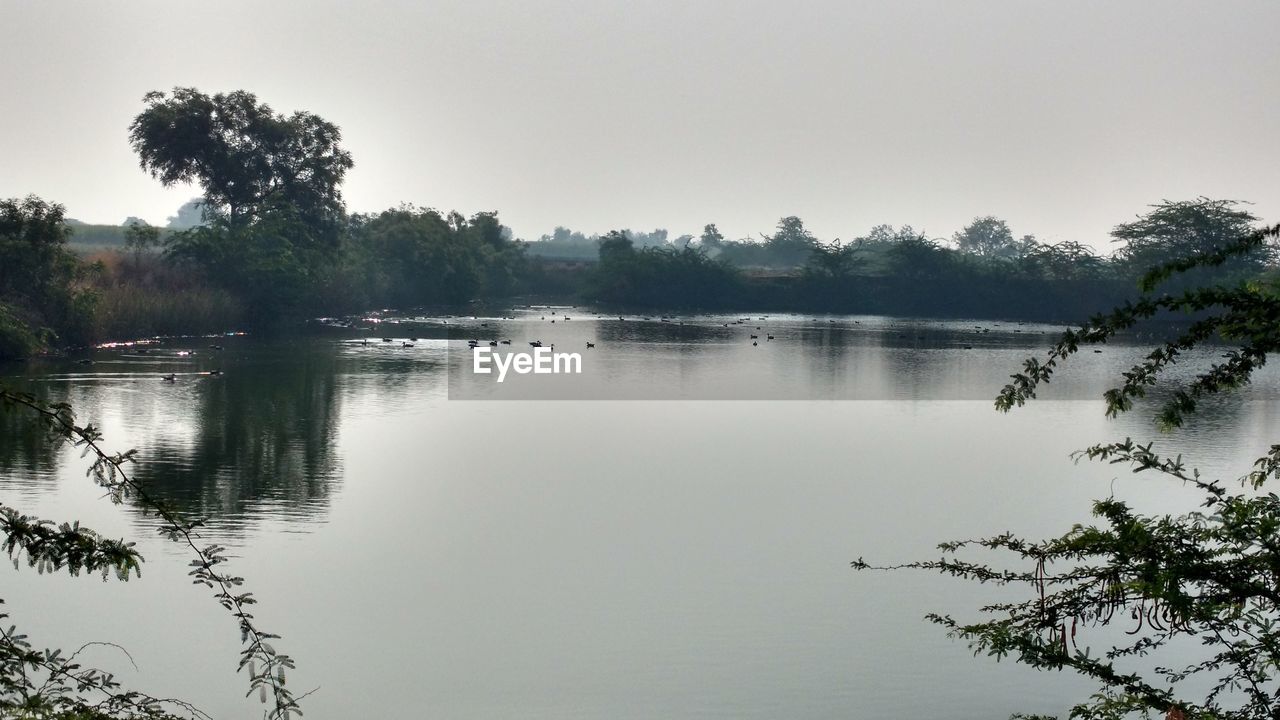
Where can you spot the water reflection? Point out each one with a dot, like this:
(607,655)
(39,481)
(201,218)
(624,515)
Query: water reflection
(262,432)
(646,559)
(26,454)
(245,428)
(249,427)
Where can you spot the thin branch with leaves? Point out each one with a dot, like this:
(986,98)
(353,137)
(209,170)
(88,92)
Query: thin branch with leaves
(51,547)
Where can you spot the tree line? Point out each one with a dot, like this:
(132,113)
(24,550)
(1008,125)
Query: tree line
(270,241)
(982,270)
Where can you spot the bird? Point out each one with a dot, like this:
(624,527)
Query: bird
(754,337)
(406,344)
(536,343)
(505,342)
(768,337)
(169,378)
(754,343)
(493,343)
(386,339)
(591,345)
(215,373)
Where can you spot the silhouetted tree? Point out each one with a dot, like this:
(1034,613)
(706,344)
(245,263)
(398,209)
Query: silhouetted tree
(141,238)
(39,297)
(1189,227)
(246,157)
(986,237)
(272,207)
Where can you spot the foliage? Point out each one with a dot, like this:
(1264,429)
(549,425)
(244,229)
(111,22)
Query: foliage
(788,247)
(38,275)
(711,237)
(1189,228)
(1206,576)
(660,276)
(835,261)
(275,262)
(272,208)
(132,310)
(990,238)
(413,256)
(43,683)
(17,339)
(247,158)
(140,238)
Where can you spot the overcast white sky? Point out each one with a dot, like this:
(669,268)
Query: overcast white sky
(1063,118)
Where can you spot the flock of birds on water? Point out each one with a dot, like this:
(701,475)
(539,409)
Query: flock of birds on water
(754,337)
(672,319)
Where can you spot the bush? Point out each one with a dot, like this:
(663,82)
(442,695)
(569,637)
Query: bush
(17,340)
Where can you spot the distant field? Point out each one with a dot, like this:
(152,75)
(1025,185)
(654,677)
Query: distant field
(86,238)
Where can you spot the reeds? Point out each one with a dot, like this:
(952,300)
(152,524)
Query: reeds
(128,311)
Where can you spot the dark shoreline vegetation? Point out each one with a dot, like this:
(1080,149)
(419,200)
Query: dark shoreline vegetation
(270,243)
(57,293)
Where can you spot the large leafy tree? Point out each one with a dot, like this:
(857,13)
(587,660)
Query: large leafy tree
(790,244)
(1186,228)
(272,202)
(247,157)
(988,238)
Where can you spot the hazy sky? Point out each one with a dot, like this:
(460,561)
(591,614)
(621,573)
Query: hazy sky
(1063,118)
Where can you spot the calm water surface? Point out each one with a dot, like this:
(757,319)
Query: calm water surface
(672,542)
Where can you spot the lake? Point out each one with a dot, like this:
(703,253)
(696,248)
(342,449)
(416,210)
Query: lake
(666,534)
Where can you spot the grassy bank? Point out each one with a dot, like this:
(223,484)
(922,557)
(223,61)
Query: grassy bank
(141,295)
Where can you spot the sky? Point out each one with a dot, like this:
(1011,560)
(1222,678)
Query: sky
(1064,119)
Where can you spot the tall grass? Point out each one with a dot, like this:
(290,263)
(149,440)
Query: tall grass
(142,297)
(131,311)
